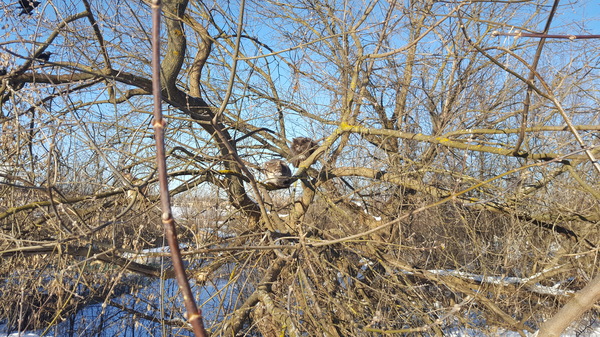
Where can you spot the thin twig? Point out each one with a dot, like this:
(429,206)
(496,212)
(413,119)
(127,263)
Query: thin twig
(547,36)
(548,94)
(224,139)
(451,197)
(194,315)
(534,64)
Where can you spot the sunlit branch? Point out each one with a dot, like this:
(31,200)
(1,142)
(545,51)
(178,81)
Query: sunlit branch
(546,36)
(194,315)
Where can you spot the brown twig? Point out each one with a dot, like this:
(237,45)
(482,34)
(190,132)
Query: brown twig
(194,315)
(534,64)
(547,36)
(548,94)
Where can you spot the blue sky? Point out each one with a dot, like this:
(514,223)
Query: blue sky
(586,15)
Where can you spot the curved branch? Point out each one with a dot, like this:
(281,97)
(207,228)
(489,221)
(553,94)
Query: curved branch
(195,107)
(542,128)
(204,49)
(240,316)
(176,42)
(99,36)
(27,64)
(37,204)
(455,144)
(90,251)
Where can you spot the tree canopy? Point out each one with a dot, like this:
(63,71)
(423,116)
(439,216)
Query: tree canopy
(449,178)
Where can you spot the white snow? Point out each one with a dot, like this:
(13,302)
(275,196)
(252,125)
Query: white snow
(507,280)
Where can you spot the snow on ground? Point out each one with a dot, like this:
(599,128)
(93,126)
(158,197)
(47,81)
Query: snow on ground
(154,256)
(456,332)
(450,332)
(466,332)
(4,333)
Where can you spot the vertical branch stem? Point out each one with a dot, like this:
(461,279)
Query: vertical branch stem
(219,132)
(194,316)
(536,59)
